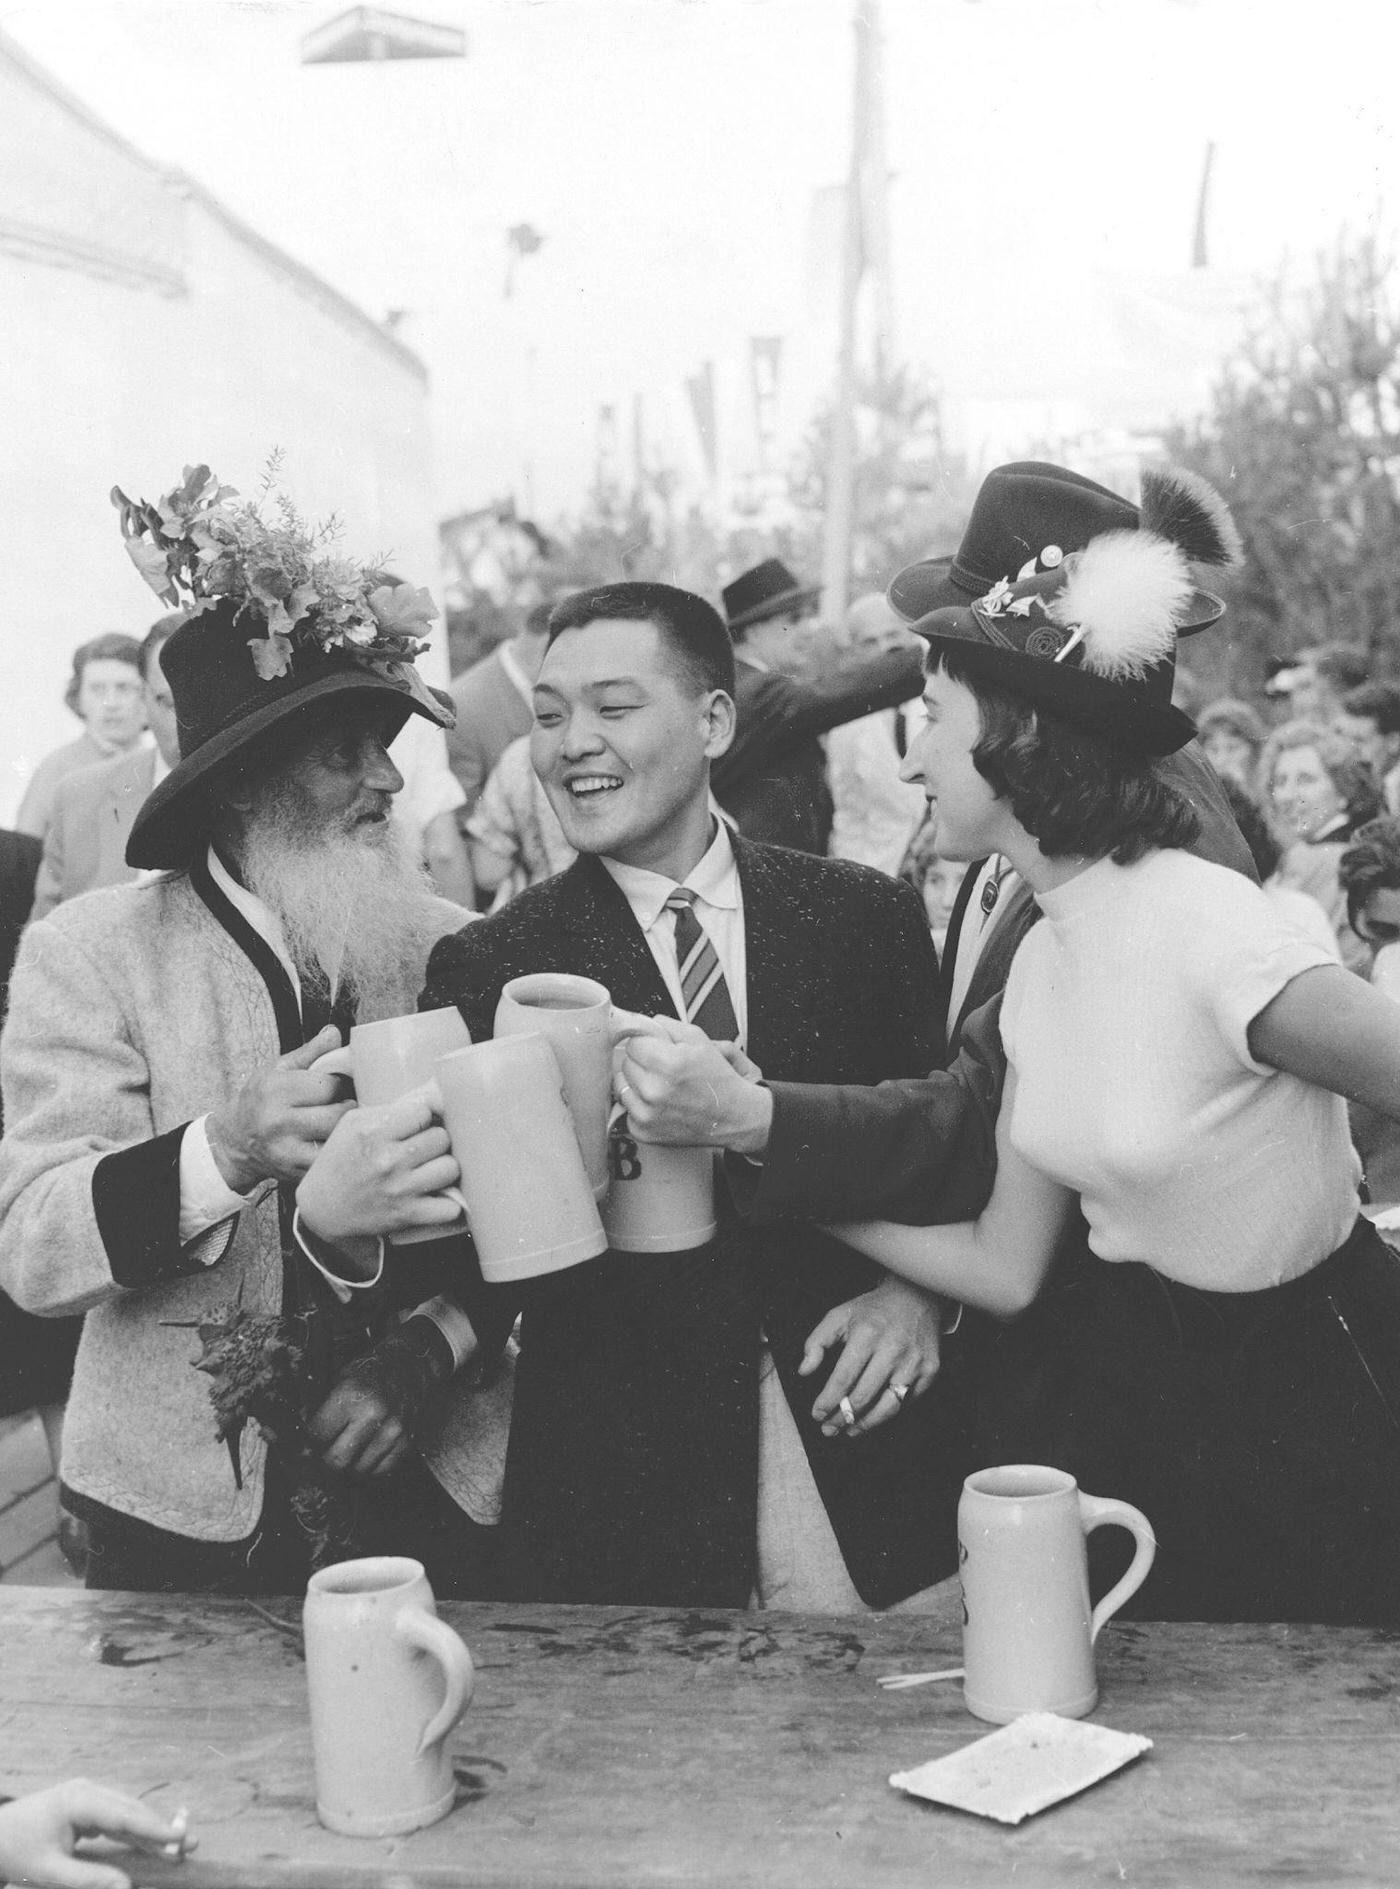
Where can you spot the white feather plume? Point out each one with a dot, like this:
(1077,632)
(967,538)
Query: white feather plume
(1121,600)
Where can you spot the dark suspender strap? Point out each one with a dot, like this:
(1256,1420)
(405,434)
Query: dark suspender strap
(954,932)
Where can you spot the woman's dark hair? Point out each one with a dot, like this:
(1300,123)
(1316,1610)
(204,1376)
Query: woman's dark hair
(1370,864)
(1254,827)
(112,646)
(1070,789)
(693,631)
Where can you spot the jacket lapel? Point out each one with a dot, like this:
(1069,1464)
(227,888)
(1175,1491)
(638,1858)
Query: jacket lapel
(1019,912)
(775,951)
(606,942)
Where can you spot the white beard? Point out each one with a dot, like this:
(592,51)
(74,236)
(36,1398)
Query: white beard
(356,907)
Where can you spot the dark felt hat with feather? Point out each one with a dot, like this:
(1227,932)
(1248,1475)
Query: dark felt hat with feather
(1093,637)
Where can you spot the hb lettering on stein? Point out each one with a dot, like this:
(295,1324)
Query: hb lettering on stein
(1028,1632)
(662,1199)
(387,1680)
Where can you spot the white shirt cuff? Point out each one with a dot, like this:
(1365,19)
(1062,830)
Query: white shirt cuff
(454,1325)
(205,1196)
(344,1289)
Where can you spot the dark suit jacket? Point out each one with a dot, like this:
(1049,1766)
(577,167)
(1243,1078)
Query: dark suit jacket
(36,1354)
(841,977)
(773,779)
(924,1152)
(93,812)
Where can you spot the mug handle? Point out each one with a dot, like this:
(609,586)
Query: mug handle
(434,1637)
(1096,1511)
(335,1062)
(628,1023)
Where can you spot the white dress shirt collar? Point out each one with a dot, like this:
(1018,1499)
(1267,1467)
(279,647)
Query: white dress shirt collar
(264,922)
(714,880)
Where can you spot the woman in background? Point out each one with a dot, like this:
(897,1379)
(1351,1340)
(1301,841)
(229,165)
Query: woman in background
(1317,796)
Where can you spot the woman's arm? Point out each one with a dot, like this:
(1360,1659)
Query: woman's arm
(998,1261)
(1330,1028)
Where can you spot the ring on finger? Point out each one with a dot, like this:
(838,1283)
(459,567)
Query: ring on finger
(901,1391)
(848,1413)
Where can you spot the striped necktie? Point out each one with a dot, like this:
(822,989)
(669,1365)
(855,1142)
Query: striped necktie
(707,1000)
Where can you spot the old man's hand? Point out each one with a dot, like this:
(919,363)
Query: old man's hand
(381,1172)
(680,1087)
(366,1424)
(275,1124)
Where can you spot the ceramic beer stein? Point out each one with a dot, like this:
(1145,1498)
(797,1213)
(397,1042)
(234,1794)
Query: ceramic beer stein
(385,1060)
(1028,1633)
(387,1681)
(523,1185)
(574,1015)
(662,1200)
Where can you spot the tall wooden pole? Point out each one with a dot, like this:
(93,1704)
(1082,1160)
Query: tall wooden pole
(840,481)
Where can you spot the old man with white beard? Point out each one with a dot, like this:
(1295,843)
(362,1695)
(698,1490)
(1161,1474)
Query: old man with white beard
(162,1100)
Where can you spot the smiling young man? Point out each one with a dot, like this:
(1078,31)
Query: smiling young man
(645,1398)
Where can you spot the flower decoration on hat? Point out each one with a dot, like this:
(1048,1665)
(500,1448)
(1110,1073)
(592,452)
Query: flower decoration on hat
(200,544)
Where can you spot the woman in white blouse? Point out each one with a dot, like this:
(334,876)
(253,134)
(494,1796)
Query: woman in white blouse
(1230,1358)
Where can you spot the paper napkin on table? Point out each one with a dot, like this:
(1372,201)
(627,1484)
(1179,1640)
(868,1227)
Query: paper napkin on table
(1024,1767)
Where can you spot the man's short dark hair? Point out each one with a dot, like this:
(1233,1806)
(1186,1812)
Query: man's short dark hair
(1375,701)
(1343,665)
(111,646)
(1070,789)
(1370,864)
(693,631)
(159,633)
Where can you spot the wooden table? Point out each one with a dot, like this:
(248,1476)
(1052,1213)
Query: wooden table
(609,1746)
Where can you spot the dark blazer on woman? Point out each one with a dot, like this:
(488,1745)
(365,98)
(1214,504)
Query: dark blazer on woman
(632,1473)
(923,1151)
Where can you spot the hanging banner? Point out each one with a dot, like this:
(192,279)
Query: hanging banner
(765,360)
(606,464)
(700,387)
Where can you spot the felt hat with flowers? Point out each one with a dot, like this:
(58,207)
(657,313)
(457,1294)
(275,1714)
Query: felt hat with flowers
(275,620)
(1093,638)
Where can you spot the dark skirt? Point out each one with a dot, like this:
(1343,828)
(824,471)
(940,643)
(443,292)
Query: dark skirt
(36,1358)
(1258,1431)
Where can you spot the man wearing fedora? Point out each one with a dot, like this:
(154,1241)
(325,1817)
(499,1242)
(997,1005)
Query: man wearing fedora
(158,1060)
(773,779)
(923,1151)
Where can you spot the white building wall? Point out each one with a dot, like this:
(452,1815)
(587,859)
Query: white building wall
(142,329)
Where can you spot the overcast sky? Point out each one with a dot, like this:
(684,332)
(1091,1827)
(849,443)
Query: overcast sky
(669,151)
